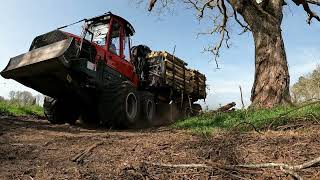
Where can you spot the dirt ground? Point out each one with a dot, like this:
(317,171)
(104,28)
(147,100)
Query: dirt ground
(34,149)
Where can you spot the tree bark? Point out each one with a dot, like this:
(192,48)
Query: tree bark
(271,80)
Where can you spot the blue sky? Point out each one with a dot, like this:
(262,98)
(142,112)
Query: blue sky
(21,21)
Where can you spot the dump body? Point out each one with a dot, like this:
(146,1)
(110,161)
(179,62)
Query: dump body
(166,70)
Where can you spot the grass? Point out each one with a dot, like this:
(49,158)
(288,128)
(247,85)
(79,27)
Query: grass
(245,119)
(15,109)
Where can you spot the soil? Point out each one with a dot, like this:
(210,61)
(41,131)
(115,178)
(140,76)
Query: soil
(32,148)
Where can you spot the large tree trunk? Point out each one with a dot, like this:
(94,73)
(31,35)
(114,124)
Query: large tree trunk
(271,81)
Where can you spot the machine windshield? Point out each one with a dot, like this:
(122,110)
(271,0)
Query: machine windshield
(97,33)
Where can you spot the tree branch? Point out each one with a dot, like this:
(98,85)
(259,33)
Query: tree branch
(179,165)
(220,20)
(315,2)
(244,26)
(288,169)
(306,7)
(151,4)
(282,165)
(201,10)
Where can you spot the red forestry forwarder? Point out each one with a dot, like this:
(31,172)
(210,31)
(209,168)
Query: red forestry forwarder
(99,77)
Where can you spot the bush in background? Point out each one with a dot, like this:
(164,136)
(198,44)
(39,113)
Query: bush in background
(307,87)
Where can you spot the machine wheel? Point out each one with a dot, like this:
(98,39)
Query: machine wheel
(167,113)
(59,112)
(119,105)
(148,108)
(89,116)
(196,109)
(186,111)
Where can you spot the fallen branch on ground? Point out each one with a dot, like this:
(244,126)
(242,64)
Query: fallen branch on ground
(79,157)
(292,173)
(288,169)
(179,165)
(264,165)
(282,165)
(227,108)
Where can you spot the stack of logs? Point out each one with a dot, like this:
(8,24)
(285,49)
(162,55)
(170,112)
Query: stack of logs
(166,69)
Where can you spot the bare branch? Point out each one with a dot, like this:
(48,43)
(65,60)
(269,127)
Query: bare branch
(306,7)
(244,26)
(219,20)
(178,165)
(315,2)
(200,10)
(151,4)
(286,168)
(222,30)
(282,165)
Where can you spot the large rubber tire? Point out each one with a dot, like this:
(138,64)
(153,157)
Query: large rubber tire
(186,112)
(148,109)
(196,109)
(167,113)
(89,116)
(119,105)
(59,111)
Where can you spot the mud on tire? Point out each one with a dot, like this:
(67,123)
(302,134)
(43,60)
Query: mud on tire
(58,111)
(119,105)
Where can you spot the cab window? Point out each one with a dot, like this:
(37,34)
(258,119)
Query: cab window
(97,33)
(114,46)
(100,33)
(126,45)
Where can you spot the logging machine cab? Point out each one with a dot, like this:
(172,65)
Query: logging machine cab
(110,32)
(111,37)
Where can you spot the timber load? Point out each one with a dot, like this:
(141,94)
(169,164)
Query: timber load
(168,70)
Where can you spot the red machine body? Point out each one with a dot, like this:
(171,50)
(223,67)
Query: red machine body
(117,61)
(94,76)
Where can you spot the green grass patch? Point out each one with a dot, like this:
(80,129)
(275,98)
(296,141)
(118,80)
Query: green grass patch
(244,120)
(14,109)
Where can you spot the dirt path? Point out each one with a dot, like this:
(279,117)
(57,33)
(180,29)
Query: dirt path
(34,149)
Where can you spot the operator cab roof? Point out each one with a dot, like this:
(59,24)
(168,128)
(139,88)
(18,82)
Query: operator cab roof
(107,16)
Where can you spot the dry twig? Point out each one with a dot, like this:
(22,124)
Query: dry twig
(282,165)
(179,165)
(286,168)
(241,96)
(255,129)
(79,157)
